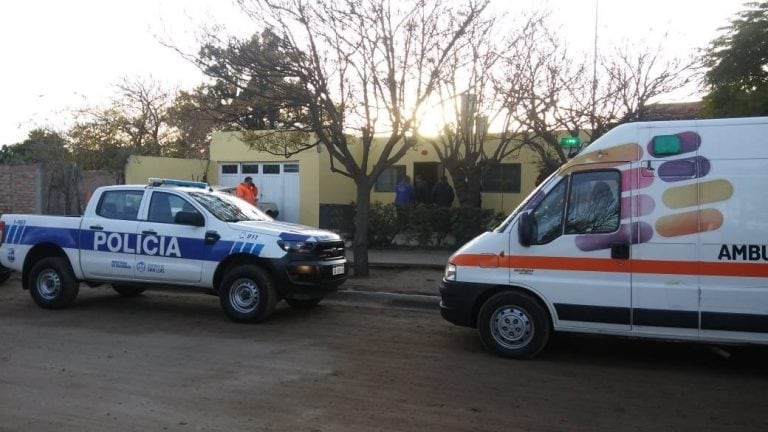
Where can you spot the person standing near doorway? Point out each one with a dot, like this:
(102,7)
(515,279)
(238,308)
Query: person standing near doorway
(404,192)
(248,191)
(442,193)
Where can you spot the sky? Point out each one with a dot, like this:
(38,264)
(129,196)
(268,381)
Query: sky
(58,56)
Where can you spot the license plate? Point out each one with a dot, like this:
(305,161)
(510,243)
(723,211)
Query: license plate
(337,270)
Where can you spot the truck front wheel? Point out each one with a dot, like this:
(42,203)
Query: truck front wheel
(514,325)
(248,294)
(52,283)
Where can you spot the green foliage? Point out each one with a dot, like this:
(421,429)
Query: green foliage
(424,225)
(383,224)
(468,223)
(737,62)
(42,146)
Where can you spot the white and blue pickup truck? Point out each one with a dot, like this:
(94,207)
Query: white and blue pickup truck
(176,233)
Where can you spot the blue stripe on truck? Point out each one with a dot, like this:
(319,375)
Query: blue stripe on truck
(130,243)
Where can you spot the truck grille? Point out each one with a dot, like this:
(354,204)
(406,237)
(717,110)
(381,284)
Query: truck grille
(330,250)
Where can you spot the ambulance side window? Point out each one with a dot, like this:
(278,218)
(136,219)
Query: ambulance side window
(548,215)
(593,203)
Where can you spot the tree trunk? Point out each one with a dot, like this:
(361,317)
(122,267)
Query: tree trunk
(360,242)
(466,184)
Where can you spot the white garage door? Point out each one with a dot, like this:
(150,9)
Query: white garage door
(278,183)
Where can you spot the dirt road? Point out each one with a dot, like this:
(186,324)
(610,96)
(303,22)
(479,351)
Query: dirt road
(170,361)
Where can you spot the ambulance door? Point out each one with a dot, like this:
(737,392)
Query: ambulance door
(169,252)
(665,255)
(108,237)
(578,259)
(733,204)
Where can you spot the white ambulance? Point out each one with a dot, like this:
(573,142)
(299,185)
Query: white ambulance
(657,230)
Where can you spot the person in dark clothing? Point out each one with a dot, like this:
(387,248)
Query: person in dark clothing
(442,193)
(421,191)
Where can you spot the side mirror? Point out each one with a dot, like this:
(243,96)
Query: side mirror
(189,218)
(525,229)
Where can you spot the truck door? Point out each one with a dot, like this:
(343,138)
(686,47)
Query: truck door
(108,236)
(169,252)
(665,280)
(579,256)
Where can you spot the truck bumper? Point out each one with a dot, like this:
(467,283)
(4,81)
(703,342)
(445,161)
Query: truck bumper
(311,279)
(458,300)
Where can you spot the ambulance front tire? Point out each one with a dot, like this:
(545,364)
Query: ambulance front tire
(52,283)
(248,294)
(513,325)
(128,290)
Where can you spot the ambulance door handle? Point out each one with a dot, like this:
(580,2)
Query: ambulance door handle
(149,232)
(96,227)
(620,250)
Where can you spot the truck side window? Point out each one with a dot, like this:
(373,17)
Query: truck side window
(121,204)
(164,206)
(593,203)
(548,215)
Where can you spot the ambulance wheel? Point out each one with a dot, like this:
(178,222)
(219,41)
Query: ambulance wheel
(513,325)
(52,283)
(248,294)
(128,290)
(304,303)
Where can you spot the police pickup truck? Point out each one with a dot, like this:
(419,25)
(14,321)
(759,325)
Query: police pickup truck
(178,233)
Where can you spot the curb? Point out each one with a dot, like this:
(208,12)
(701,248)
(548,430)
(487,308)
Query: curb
(387,299)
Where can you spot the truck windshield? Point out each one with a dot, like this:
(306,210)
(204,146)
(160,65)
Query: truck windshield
(228,208)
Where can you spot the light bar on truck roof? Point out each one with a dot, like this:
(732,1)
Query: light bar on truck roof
(173,182)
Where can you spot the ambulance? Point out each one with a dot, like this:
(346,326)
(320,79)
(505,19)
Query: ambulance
(656,230)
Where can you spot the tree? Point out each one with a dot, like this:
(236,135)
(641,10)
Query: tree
(548,94)
(134,123)
(468,86)
(355,72)
(61,178)
(737,66)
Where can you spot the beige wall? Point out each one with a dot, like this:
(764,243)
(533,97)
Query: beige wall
(317,184)
(140,168)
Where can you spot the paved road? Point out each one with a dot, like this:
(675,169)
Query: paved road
(171,361)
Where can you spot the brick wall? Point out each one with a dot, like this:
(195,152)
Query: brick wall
(33,189)
(21,188)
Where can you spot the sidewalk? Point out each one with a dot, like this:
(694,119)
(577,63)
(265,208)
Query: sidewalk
(405,258)
(398,278)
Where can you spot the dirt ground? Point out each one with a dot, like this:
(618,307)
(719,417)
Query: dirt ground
(171,361)
(413,280)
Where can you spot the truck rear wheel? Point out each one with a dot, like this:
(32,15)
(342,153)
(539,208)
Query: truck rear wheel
(128,290)
(513,325)
(52,283)
(248,294)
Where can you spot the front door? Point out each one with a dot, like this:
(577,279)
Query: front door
(579,255)
(169,252)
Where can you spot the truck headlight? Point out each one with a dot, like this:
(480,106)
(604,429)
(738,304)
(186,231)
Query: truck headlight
(450,272)
(295,246)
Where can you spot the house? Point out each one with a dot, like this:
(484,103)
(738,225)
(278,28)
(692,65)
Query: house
(305,189)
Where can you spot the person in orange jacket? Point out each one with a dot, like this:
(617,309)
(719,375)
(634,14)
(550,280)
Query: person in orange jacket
(247,190)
